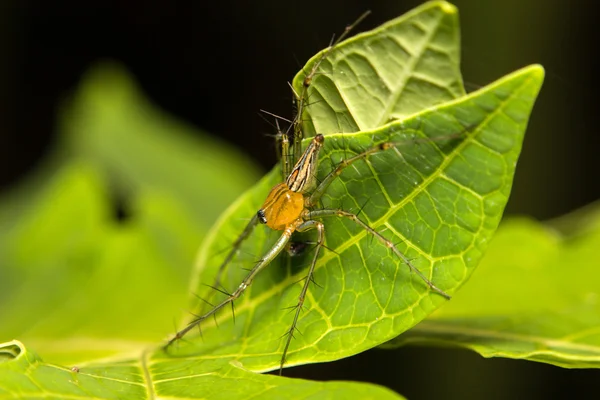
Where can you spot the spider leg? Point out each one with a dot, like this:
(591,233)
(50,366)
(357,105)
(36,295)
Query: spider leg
(234,249)
(324,184)
(282,142)
(387,243)
(284,154)
(260,265)
(302,97)
(320,241)
(322,187)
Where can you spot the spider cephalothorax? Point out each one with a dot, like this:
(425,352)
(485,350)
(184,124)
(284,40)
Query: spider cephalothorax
(286,203)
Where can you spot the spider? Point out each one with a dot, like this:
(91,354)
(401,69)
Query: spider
(292,206)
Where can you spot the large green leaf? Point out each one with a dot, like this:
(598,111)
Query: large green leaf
(365,305)
(534,297)
(440,201)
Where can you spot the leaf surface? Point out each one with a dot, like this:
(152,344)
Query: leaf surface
(24,374)
(440,201)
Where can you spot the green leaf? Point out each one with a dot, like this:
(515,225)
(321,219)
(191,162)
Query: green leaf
(24,374)
(389,73)
(534,297)
(440,201)
(73,276)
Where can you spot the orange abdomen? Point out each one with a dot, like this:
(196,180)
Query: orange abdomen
(282,207)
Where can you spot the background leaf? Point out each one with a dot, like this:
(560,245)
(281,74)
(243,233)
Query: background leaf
(534,297)
(75,281)
(144,150)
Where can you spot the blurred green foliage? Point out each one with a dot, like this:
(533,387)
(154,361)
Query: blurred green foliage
(70,267)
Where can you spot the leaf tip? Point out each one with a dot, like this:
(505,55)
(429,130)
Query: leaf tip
(447,8)
(537,71)
(443,6)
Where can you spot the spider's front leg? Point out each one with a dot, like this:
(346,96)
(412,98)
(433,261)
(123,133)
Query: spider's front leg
(234,249)
(260,265)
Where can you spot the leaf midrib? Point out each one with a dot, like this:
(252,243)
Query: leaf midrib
(413,62)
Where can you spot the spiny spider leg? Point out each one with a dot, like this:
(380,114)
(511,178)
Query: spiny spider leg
(320,241)
(234,249)
(266,260)
(284,143)
(322,187)
(387,243)
(301,97)
(217,280)
(324,184)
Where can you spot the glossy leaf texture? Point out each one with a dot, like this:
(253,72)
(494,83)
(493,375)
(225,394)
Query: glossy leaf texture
(534,297)
(440,199)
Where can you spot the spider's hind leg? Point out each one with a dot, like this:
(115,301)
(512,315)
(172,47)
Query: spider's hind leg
(307,225)
(387,243)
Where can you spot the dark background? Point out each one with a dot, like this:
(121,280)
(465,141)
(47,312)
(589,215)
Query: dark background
(216,63)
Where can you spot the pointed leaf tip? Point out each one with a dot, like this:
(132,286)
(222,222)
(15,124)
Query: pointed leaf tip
(446,7)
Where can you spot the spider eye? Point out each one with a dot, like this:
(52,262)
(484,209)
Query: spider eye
(261,216)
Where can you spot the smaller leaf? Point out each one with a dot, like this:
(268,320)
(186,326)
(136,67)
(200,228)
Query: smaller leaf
(400,68)
(111,124)
(24,374)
